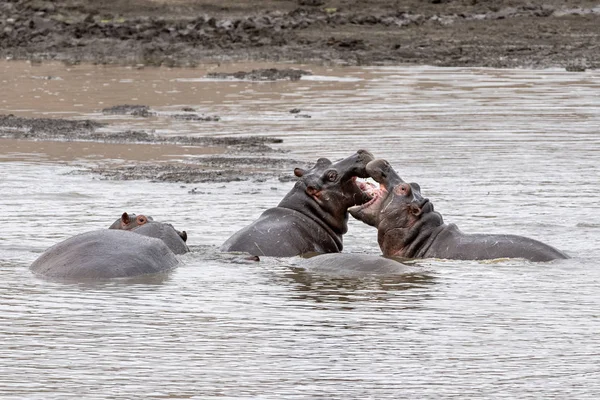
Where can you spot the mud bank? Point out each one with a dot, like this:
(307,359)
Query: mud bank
(498,33)
(240,158)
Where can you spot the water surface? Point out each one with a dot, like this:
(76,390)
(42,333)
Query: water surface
(498,151)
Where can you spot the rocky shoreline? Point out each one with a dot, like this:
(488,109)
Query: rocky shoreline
(499,33)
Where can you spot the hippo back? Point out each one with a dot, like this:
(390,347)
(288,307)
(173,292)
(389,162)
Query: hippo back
(355,265)
(105,254)
(166,233)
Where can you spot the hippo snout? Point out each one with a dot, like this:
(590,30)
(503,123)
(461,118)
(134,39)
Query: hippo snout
(382,172)
(363,157)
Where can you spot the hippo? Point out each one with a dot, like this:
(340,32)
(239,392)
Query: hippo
(146,226)
(113,253)
(313,216)
(130,221)
(408,227)
(350,265)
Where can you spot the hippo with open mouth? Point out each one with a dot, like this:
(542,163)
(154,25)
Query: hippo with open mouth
(141,246)
(408,227)
(313,216)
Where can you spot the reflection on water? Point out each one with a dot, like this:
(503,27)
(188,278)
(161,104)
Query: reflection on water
(498,151)
(324,289)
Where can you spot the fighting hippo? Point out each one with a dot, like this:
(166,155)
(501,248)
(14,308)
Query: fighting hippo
(313,216)
(408,227)
(113,253)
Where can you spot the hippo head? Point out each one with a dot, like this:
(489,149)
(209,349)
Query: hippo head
(333,187)
(397,210)
(129,222)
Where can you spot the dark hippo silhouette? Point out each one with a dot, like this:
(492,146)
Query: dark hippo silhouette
(113,253)
(313,216)
(354,265)
(408,227)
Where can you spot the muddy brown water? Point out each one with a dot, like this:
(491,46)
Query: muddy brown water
(511,151)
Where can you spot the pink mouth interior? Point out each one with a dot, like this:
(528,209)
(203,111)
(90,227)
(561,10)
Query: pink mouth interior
(374,191)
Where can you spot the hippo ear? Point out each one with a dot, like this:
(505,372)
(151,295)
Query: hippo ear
(299,172)
(125,218)
(415,186)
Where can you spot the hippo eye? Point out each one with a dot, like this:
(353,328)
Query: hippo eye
(403,189)
(332,176)
(141,220)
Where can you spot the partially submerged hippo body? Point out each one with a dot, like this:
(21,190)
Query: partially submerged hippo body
(113,253)
(350,265)
(313,216)
(408,227)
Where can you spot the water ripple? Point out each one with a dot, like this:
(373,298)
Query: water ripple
(511,151)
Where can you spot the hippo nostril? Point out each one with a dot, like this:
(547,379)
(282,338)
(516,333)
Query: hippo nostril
(426,206)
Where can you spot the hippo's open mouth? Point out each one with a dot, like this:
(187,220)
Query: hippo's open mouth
(369,189)
(372,191)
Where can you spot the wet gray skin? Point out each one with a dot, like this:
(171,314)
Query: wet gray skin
(408,227)
(154,229)
(313,216)
(113,253)
(355,265)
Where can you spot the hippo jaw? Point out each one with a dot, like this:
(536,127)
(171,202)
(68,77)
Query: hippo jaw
(393,197)
(368,212)
(383,173)
(327,190)
(334,186)
(402,216)
(352,191)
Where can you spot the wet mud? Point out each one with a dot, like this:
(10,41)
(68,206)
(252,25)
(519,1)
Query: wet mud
(241,158)
(145,111)
(497,33)
(205,169)
(264,74)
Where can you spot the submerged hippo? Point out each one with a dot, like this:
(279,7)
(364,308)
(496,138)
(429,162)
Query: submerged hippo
(113,253)
(350,265)
(313,216)
(408,227)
